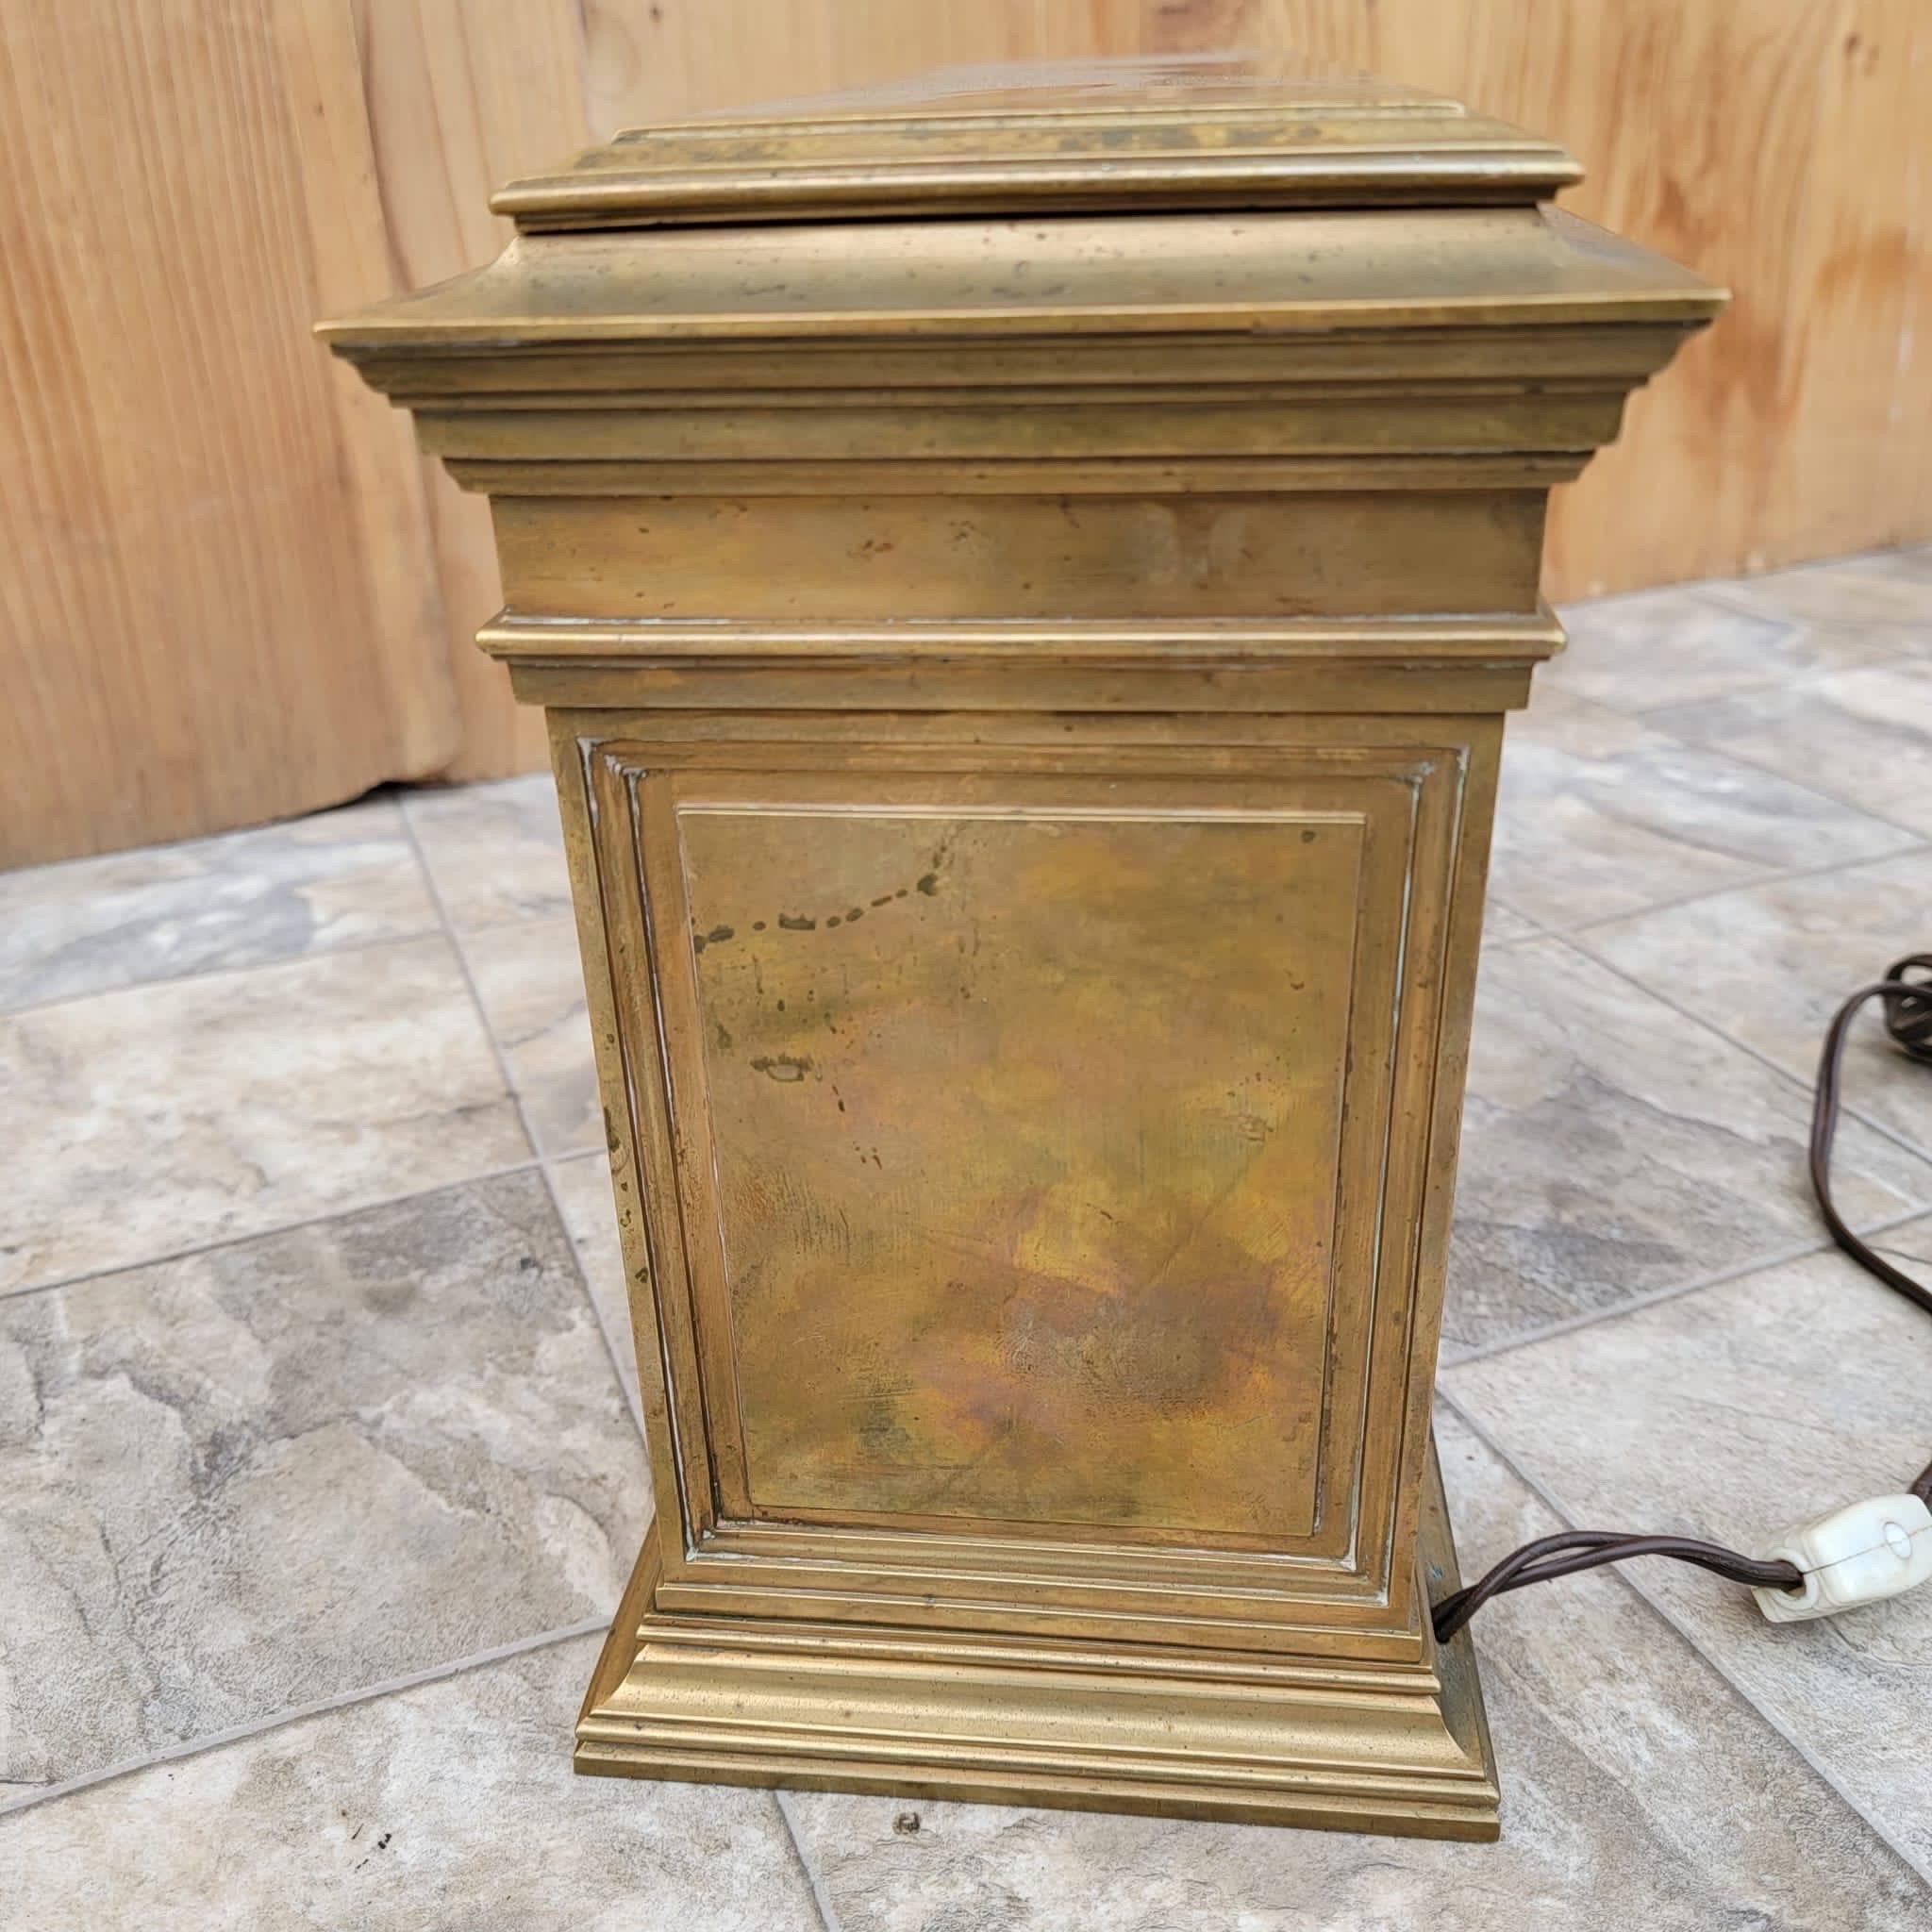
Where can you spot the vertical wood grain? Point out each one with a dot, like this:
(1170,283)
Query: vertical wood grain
(1856,377)
(460,98)
(203,625)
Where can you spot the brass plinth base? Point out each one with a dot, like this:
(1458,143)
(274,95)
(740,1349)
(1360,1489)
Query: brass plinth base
(1344,1747)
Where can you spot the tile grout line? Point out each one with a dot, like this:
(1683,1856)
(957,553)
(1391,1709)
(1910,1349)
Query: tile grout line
(1748,762)
(344,1213)
(516,1099)
(347,949)
(1745,762)
(1907,654)
(1649,718)
(1493,902)
(1744,1047)
(611,1350)
(1828,1777)
(299,1714)
(634,1403)
(1711,594)
(1734,594)
(828,1915)
(1919,844)
(1571,1325)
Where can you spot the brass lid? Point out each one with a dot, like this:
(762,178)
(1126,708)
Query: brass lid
(1127,136)
(1189,199)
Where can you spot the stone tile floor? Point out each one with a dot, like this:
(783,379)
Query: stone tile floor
(318,1448)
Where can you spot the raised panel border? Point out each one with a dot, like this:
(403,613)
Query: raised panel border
(862,1575)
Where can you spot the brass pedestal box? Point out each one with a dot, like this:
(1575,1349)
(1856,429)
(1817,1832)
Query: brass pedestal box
(1025,586)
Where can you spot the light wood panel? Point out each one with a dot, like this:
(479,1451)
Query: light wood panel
(461,99)
(229,579)
(213,591)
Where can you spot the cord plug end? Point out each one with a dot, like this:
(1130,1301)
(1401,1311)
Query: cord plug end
(1862,1553)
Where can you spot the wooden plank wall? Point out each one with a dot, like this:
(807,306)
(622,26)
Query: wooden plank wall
(229,589)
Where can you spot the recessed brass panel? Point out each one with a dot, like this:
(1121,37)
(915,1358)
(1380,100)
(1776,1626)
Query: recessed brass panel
(1025,1124)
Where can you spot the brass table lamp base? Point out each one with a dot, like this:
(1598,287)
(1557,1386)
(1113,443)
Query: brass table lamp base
(1026,591)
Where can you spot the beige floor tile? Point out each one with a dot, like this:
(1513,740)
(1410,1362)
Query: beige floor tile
(1769,964)
(140,1122)
(289,1468)
(1889,587)
(495,851)
(1638,1792)
(582,1187)
(1600,815)
(1862,736)
(1680,646)
(339,878)
(1612,1148)
(530,980)
(1502,925)
(451,1808)
(1731,1414)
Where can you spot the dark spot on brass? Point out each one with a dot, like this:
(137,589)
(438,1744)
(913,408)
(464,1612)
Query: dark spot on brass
(885,899)
(832,921)
(724,1034)
(757,925)
(930,884)
(855,913)
(1308,837)
(719,933)
(789,922)
(785,1067)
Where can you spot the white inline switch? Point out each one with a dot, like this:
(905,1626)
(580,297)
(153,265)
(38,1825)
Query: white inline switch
(1859,1555)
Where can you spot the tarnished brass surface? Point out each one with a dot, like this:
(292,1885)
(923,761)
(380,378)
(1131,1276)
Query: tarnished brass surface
(1027,695)
(1260,1740)
(1189,134)
(1095,1301)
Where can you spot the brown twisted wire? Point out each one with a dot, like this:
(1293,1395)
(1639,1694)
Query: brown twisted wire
(1906,993)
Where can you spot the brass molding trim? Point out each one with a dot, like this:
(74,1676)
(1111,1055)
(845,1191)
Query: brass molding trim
(1430,274)
(1502,639)
(1340,1746)
(1311,666)
(1362,473)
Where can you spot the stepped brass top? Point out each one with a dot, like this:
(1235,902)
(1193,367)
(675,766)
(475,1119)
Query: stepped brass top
(1131,137)
(1192,198)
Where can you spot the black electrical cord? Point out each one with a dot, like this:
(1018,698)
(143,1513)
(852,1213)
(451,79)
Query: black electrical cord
(1906,993)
